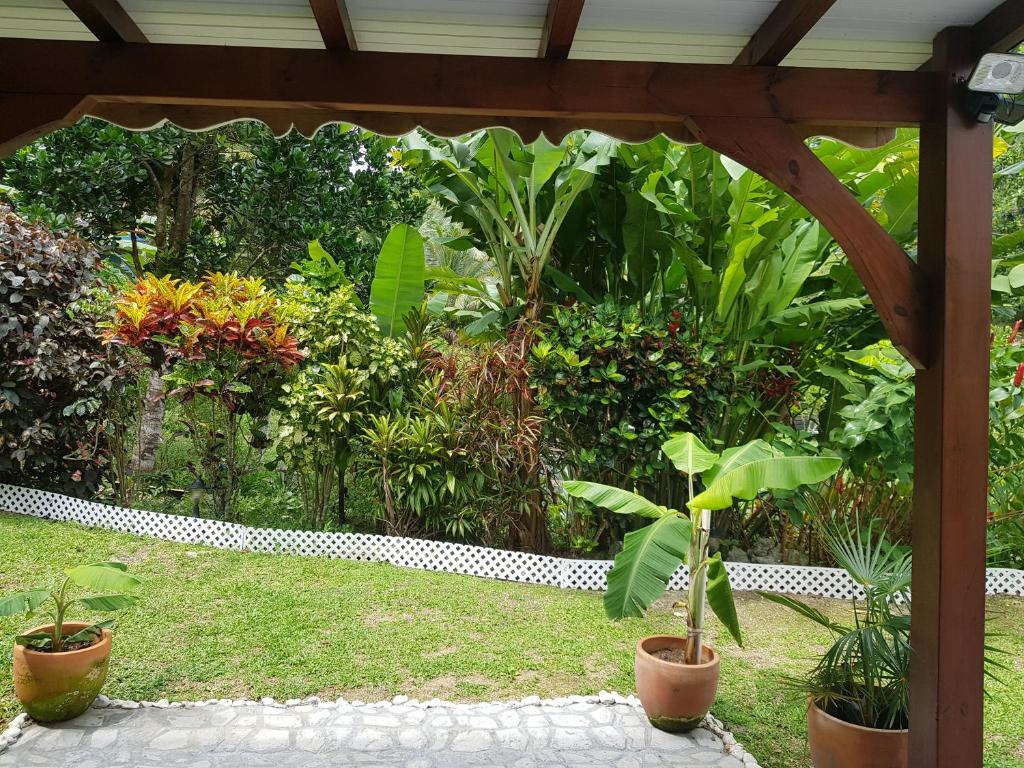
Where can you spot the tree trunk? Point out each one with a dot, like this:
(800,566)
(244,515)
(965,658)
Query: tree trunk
(341,497)
(151,425)
(184,207)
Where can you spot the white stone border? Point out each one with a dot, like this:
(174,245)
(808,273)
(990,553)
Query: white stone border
(13,731)
(430,555)
(730,745)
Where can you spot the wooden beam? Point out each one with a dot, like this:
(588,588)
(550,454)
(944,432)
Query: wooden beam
(1001,30)
(107,20)
(560,28)
(23,119)
(335,25)
(573,92)
(780,33)
(892,279)
(951,427)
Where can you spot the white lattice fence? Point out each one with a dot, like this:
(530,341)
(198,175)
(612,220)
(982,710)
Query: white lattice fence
(428,555)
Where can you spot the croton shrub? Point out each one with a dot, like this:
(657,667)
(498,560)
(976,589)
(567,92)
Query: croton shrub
(55,376)
(224,347)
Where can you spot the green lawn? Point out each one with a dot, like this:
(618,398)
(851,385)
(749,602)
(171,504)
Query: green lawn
(222,624)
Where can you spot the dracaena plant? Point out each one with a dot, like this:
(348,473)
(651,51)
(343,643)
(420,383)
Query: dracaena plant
(650,555)
(106,584)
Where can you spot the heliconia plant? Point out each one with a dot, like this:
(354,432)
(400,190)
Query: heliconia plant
(650,555)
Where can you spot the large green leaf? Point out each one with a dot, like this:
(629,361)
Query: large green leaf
(643,568)
(777,473)
(720,596)
(103,577)
(689,454)
(107,602)
(801,252)
(90,633)
(733,458)
(398,279)
(546,159)
(615,499)
(805,610)
(23,602)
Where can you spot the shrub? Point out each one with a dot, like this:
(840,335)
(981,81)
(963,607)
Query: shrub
(350,370)
(57,380)
(229,346)
(614,385)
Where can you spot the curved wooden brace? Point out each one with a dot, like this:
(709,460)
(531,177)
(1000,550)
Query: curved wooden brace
(26,117)
(894,282)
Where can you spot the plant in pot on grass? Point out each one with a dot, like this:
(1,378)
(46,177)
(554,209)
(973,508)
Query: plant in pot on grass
(677,677)
(60,667)
(857,693)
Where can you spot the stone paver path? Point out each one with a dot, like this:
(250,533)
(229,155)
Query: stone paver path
(580,732)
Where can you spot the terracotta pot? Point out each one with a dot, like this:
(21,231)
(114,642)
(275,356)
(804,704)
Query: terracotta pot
(838,744)
(59,686)
(676,697)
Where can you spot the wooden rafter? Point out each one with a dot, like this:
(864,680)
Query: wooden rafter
(1001,30)
(786,26)
(417,85)
(560,28)
(107,20)
(335,25)
(892,279)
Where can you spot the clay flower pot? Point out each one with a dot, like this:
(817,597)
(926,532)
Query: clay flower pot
(58,686)
(676,697)
(838,744)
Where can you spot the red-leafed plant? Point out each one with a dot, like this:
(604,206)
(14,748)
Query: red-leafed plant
(226,344)
(56,382)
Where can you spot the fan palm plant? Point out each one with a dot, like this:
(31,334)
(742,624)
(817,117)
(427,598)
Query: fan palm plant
(863,677)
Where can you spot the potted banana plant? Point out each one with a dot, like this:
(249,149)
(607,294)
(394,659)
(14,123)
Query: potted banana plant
(677,677)
(59,668)
(857,693)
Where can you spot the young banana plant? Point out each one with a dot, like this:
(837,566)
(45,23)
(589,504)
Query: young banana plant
(650,555)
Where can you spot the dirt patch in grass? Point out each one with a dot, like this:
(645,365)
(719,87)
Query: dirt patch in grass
(421,614)
(439,653)
(367,693)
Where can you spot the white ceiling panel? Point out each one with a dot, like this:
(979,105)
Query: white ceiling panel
(879,34)
(274,23)
(481,27)
(706,31)
(45,19)
(883,34)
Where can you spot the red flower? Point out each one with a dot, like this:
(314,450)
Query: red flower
(1019,377)
(1014,332)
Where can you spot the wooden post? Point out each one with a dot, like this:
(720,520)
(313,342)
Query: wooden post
(951,446)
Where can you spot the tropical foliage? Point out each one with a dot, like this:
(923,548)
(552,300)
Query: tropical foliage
(651,555)
(863,678)
(107,583)
(443,330)
(58,387)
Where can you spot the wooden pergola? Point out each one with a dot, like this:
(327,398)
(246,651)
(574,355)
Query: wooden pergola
(749,78)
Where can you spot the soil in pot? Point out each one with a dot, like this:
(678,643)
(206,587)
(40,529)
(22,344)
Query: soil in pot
(59,686)
(675,696)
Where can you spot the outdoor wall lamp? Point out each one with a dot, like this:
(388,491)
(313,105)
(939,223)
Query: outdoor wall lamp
(993,89)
